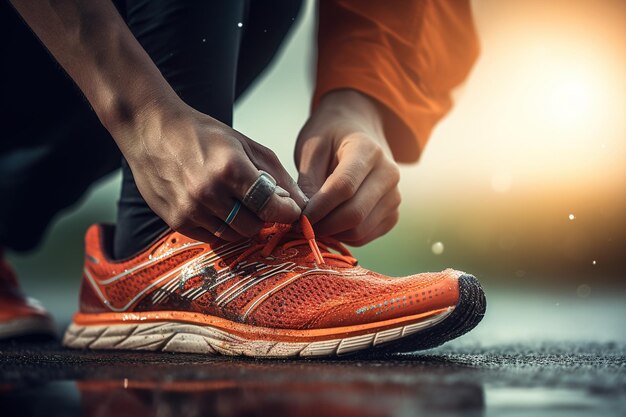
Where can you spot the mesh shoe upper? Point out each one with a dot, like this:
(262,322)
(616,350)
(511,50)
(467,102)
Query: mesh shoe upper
(284,278)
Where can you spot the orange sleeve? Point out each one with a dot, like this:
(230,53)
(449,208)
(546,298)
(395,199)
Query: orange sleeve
(406,54)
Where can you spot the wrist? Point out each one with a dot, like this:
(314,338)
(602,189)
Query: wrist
(356,107)
(362,113)
(135,123)
(124,112)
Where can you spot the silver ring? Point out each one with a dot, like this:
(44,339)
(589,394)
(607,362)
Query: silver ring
(260,192)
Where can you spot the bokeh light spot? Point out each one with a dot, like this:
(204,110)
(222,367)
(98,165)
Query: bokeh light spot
(583,291)
(437,248)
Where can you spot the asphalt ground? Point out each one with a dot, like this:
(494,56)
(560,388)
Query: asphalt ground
(534,355)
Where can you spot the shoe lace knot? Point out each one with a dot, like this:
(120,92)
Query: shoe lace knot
(287,236)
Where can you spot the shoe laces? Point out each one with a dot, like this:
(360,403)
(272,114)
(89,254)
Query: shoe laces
(286,234)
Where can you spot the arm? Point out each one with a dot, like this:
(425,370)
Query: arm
(92,43)
(171,148)
(384,77)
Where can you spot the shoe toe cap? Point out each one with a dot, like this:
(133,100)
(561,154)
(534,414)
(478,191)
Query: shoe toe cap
(407,296)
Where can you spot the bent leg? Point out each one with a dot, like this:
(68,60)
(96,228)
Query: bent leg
(52,145)
(267,26)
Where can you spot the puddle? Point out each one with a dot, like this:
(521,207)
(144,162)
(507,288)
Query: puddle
(523,402)
(134,398)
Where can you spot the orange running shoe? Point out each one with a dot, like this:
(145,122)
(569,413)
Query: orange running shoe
(20,316)
(281,294)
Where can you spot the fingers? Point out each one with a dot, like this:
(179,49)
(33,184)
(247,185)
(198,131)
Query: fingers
(237,176)
(244,222)
(313,158)
(381,220)
(378,190)
(206,228)
(310,183)
(266,160)
(206,167)
(383,228)
(355,163)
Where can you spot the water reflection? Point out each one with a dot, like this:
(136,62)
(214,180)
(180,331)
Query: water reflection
(556,380)
(281,397)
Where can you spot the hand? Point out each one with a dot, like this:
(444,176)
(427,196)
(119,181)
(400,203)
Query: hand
(191,169)
(347,170)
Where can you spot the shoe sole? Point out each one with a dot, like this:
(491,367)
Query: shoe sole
(182,332)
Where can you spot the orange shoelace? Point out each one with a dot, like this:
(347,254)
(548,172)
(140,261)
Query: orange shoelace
(271,237)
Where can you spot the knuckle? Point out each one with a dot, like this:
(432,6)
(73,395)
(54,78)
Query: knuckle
(396,199)
(271,157)
(355,217)
(229,168)
(261,149)
(358,233)
(394,174)
(366,143)
(200,191)
(361,139)
(231,175)
(377,152)
(266,154)
(346,185)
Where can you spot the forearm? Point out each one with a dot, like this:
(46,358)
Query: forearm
(408,66)
(92,43)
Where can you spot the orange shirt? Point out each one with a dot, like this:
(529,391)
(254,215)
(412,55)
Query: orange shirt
(406,54)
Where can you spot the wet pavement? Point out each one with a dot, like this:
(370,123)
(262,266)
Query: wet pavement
(562,357)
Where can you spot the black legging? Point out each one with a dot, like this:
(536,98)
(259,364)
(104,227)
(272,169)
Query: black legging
(209,51)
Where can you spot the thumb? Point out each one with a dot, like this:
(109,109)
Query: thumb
(312,158)
(311,155)
(309,184)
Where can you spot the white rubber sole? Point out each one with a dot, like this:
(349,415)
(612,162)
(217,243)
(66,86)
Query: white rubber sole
(169,336)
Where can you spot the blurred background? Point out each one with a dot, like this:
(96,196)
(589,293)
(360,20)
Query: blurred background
(522,184)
